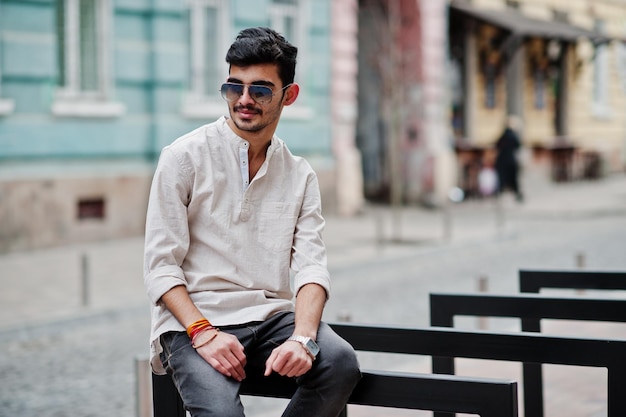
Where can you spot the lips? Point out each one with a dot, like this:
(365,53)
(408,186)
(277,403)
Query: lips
(246,112)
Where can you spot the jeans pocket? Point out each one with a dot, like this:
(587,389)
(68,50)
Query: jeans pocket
(171,343)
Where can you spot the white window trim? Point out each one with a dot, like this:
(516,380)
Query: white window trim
(600,100)
(300,110)
(197,104)
(620,62)
(600,105)
(7,106)
(69,100)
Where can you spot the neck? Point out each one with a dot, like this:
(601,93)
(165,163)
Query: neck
(259,142)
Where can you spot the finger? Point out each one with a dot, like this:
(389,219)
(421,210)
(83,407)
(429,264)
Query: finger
(300,368)
(281,365)
(234,366)
(269,364)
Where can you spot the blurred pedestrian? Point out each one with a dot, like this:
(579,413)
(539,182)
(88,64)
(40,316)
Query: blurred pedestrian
(231,213)
(507,162)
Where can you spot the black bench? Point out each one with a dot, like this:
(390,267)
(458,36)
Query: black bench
(444,393)
(444,307)
(533,281)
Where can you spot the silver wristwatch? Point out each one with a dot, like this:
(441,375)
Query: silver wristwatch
(309,344)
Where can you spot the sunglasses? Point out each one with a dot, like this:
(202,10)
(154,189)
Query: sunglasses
(261,94)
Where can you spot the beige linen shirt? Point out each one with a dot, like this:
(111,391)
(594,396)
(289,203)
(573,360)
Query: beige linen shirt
(230,243)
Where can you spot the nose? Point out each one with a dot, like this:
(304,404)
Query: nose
(245,96)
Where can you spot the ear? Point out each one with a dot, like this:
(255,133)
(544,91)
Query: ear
(291,94)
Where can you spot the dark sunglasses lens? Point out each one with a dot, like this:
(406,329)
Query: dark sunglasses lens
(232,92)
(259,93)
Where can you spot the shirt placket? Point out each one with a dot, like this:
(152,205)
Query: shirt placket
(243,165)
(245,179)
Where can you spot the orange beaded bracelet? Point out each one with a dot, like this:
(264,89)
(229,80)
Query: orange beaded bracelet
(195,327)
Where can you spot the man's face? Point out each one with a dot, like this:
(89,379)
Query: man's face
(249,116)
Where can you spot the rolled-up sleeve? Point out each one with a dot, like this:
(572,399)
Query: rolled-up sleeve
(167,229)
(308,259)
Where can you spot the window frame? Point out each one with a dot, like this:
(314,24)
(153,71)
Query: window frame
(197,103)
(600,90)
(7,105)
(299,12)
(70,99)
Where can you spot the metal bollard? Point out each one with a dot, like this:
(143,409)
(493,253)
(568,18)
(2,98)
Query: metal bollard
(85,291)
(580,264)
(455,195)
(144,387)
(483,286)
(500,218)
(344,316)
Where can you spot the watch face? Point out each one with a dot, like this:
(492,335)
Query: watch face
(312,347)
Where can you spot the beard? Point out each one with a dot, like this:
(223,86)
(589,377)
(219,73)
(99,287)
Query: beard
(260,121)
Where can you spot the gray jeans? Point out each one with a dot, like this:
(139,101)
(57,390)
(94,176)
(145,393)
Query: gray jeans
(321,392)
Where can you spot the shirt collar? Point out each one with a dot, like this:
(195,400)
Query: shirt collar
(237,142)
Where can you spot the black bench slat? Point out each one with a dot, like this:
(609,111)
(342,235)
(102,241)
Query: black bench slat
(431,392)
(446,393)
(410,391)
(444,307)
(535,280)
(507,346)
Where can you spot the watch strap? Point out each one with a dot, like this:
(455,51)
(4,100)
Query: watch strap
(303,340)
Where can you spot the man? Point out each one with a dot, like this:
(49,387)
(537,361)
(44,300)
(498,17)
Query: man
(507,166)
(231,212)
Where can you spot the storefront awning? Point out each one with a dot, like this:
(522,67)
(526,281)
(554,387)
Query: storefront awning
(522,26)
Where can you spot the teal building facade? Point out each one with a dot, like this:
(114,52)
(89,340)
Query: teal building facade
(91,90)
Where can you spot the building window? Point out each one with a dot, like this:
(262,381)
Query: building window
(600,98)
(92,208)
(84,81)
(284,15)
(209,39)
(289,18)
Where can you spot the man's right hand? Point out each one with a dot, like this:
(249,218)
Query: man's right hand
(226,355)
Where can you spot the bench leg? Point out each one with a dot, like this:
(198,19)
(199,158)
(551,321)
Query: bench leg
(165,399)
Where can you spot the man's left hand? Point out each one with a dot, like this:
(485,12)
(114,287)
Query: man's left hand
(289,359)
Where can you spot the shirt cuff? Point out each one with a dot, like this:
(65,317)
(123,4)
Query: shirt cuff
(161,280)
(313,275)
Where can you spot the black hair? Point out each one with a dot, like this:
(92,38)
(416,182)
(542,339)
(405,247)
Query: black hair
(264,46)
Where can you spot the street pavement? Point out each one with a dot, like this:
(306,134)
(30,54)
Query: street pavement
(74,319)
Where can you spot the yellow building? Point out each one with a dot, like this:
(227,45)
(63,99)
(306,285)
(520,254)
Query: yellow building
(558,64)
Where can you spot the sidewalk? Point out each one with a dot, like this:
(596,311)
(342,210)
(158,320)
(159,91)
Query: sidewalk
(378,231)
(72,281)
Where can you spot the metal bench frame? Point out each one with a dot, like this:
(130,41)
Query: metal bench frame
(444,307)
(533,281)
